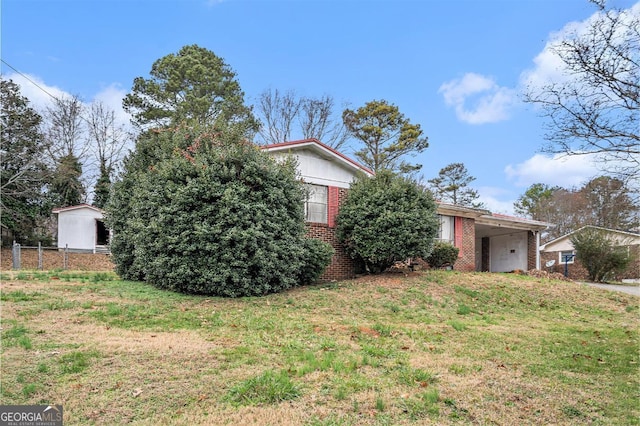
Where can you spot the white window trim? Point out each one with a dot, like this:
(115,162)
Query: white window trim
(561,260)
(448,221)
(323,204)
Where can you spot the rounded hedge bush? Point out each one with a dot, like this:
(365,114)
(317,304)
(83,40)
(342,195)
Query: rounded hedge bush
(443,254)
(219,218)
(386,218)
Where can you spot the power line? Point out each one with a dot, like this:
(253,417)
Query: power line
(28,79)
(41,88)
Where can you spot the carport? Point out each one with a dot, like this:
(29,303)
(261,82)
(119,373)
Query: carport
(506,243)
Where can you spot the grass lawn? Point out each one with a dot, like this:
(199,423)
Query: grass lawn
(429,348)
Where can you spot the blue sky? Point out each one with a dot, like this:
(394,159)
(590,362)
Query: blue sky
(455,67)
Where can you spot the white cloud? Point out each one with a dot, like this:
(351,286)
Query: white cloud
(548,67)
(40,94)
(493,197)
(564,171)
(478,99)
(111,96)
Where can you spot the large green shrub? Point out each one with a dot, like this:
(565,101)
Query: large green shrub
(443,254)
(385,219)
(600,255)
(218,217)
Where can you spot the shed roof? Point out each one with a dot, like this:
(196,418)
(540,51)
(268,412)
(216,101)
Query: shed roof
(76,207)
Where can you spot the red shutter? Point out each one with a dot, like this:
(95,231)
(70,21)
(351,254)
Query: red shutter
(457,234)
(332,205)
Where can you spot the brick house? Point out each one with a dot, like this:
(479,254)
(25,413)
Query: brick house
(487,241)
(559,254)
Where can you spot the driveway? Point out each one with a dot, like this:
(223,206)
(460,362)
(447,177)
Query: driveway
(629,289)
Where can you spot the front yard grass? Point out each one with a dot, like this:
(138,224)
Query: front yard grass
(437,347)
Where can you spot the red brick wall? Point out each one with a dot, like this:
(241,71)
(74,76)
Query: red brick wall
(466,243)
(341,266)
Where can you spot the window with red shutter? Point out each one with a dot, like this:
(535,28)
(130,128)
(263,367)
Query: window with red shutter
(457,231)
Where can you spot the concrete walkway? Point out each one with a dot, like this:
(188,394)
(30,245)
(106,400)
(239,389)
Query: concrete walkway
(629,289)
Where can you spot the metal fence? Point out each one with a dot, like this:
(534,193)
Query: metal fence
(16,252)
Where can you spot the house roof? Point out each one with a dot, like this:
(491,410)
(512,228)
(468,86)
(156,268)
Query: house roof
(493,220)
(513,221)
(462,211)
(320,148)
(76,207)
(623,234)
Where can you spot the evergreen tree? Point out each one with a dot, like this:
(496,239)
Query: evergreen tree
(66,187)
(23,171)
(452,186)
(387,136)
(194,86)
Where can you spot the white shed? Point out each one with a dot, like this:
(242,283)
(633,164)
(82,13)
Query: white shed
(82,227)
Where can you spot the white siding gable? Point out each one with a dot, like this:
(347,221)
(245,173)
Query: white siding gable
(317,169)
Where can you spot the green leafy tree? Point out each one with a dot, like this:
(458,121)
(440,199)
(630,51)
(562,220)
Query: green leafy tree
(452,186)
(23,171)
(217,216)
(601,255)
(387,136)
(193,85)
(537,202)
(385,219)
(603,201)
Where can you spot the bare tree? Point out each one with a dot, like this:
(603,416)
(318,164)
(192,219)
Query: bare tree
(318,121)
(286,115)
(107,140)
(278,112)
(65,128)
(65,135)
(595,107)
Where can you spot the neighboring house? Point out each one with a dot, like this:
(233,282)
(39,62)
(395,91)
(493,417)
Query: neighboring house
(560,253)
(82,227)
(487,242)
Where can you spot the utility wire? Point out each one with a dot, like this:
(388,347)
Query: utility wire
(41,88)
(28,79)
